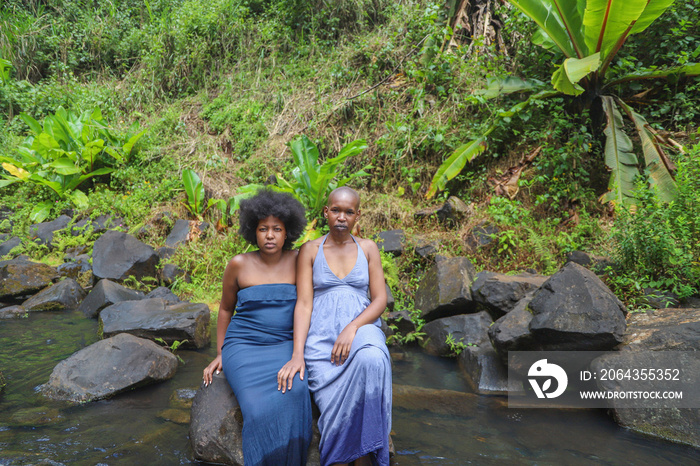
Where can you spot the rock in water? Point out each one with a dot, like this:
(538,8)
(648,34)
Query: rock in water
(152,318)
(498,293)
(118,255)
(106,293)
(469,329)
(20,277)
(66,294)
(574,311)
(660,330)
(445,289)
(108,367)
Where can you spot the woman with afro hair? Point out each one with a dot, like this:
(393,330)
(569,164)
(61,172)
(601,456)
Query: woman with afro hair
(255,342)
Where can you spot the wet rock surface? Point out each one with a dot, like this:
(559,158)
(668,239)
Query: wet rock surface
(109,367)
(66,294)
(20,277)
(105,293)
(154,318)
(468,329)
(13,312)
(444,290)
(575,311)
(117,256)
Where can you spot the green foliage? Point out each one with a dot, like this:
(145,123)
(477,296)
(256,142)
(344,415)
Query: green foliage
(173,347)
(68,150)
(658,243)
(580,33)
(391,270)
(311,182)
(456,347)
(195,195)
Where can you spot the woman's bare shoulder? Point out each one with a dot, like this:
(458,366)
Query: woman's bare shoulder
(367,245)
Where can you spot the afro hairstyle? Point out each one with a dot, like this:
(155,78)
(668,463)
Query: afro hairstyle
(267,202)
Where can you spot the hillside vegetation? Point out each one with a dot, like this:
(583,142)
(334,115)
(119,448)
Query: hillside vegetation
(139,92)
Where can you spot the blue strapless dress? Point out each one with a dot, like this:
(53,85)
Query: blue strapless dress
(276,426)
(355,397)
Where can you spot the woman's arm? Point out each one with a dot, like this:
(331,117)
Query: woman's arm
(377,291)
(226,308)
(302,318)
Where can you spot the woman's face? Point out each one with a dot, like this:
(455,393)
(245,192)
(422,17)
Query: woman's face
(270,235)
(342,212)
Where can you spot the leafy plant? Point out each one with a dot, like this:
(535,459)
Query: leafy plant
(456,347)
(172,347)
(587,35)
(66,151)
(311,181)
(195,195)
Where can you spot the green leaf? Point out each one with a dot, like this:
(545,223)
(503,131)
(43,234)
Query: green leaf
(561,20)
(619,157)
(566,78)
(653,10)
(79,199)
(606,21)
(502,86)
(654,158)
(689,69)
(129,146)
(195,191)
(34,125)
(455,163)
(65,166)
(41,211)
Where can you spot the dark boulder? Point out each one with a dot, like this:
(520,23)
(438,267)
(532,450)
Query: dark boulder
(66,294)
(481,235)
(106,293)
(171,273)
(76,266)
(574,311)
(402,321)
(483,370)
(117,256)
(43,232)
(579,257)
(647,333)
(152,318)
(216,424)
(429,212)
(444,290)
(20,277)
(73,252)
(498,293)
(424,247)
(165,252)
(108,367)
(165,294)
(391,242)
(512,331)
(13,312)
(9,245)
(468,329)
(453,211)
(179,233)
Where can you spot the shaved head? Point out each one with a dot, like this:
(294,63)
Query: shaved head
(345,192)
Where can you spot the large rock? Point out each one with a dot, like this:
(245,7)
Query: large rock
(179,233)
(424,247)
(165,294)
(481,235)
(9,245)
(660,330)
(483,369)
(444,290)
(108,367)
(216,423)
(20,277)
(13,312)
(469,329)
(453,211)
(574,311)
(498,293)
(66,294)
(512,331)
(153,318)
(171,273)
(391,241)
(43,232)
(106,293)
(117,256)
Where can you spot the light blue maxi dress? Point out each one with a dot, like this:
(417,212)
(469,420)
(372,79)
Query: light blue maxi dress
(355,397)
(258,342)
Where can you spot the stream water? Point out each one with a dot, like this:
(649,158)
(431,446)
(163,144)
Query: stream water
(129,429)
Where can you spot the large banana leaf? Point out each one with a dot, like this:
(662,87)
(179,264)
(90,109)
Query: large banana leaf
(654,157)
(455,163)
(689,69)
(606,21)
(653,10)
(619,157)
(573,70)
(496,87)
(561,20)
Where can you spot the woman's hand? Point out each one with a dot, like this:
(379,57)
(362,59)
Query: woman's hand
(341,349)
(285,376)
(215,365)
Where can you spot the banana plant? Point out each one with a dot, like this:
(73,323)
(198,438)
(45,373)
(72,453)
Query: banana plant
(588,34)
(194,188)
(67,150)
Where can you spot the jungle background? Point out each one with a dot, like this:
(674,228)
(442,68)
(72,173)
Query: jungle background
(137,108)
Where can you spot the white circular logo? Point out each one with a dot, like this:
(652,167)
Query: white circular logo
(542,370)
